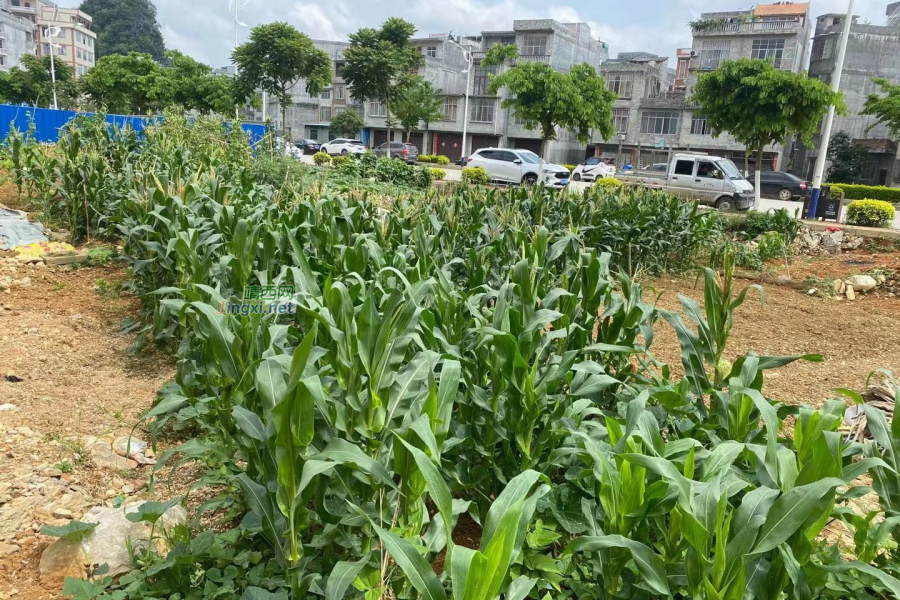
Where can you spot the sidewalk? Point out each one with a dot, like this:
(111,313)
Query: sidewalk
(866,232)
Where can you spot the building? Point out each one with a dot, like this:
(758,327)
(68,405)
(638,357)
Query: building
(74,41)
(872,51)
(652,120)
(559,45)
(16,34)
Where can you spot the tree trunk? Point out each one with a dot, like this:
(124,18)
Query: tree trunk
(387,111)
(541,160)
(759,159)
(747,162)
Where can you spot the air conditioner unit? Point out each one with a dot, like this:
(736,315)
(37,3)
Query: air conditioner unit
(693,54)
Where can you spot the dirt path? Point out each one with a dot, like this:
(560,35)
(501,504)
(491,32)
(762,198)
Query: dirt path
(67,373)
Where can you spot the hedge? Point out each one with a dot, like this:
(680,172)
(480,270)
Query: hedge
(321,158)
(437,174)
(870,213)
(867,192)
(475,175)
(608,183)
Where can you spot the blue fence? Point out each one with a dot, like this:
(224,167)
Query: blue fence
(49,122)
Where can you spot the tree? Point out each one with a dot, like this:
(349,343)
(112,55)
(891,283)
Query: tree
(885,108)
(125,26)
(847,159)
(347,124)
(32,83)
(418,102)
(761,105)
(132,84)
(378,62)
(546,99)
(275,58)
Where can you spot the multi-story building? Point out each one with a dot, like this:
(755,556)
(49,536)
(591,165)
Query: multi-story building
(16,34)
(559,45)
(872,51)
(74,41)
(652,121)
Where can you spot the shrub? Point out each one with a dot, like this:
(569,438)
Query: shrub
(475,175)
(426,158)
(758,223)
(771,245)
(438,174)
(870,213)
(608,183)
(341,160)
(866,192)
(321,158)
(441,159)
(569,167)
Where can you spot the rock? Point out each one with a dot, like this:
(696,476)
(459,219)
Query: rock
(838,286)
(133,448)
(7,549)
(811,241)
(101,452)
(62,513)
(106,544)
(127,489)
(862,283)
(26,431)
(851,295)
(813,292)
(25,282)
(8,407)
(880,279)
(53,472)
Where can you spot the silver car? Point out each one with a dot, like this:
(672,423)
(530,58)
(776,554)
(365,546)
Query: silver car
(399,151)
(511,165)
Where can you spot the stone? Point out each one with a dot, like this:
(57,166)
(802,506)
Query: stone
(8,407)
(7,549)
(838,286)
(62,513)
(52,472)
(851,295)
(813,292)
(25,282)
(862,283)
(133,448)
(880,279)
(108,544)
(127,489)
(101,452)
(811,241)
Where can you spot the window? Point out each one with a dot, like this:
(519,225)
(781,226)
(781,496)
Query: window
(450,108)
(431,52)
(326,94)
(708,170)
(482,79)
(653,88)
(683,66)
(620,119)
(482,110)
(621,84)
(823,48)
(700,126)
(376,109)
(684,167)
(46,49)
(2,61)
(324,114)
(769,49)
(61,51)
(534,44)
(313,134)
(508,40)
(340,91)
(660,123)
(714,53)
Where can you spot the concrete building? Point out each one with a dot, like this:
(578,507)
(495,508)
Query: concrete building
(872,51)
(652,120)
(16,36)
(559,45)
(74,43)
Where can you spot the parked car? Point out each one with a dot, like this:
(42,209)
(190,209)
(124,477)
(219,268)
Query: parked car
(592,169)
(289,148)
(711,180)
(399,151)
(510,165)
(783,186)
(306,146)
(660,167)
(343,146)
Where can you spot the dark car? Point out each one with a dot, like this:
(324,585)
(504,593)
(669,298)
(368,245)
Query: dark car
(399,151)
(784,186)
(307,146)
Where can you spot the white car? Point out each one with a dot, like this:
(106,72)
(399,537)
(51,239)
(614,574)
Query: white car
(510,165)
(593,169)
(343,146)
(289,148)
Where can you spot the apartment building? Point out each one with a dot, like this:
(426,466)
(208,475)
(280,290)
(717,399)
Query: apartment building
(652,120)
(16,36)
(73,42)
(872,51)
(559,45)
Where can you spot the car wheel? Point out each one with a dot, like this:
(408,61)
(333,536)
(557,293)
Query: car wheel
(344,152)
(576,177)
(785,195)
(530,179)
(725,203)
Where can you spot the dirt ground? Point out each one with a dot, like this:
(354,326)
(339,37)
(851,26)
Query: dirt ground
(67,371)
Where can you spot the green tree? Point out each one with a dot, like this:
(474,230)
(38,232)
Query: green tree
(417,103)
(761,105)
(125,26)
(347,124)
(378,62)
(885,108)
(216,94)
(134,84)
(847,159)
(275,58)
(32,83)
(545,99)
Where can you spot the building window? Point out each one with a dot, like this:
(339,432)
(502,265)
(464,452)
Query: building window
(46,49)
(699,125)
(508,40)
(326,94)
(431,52)
(620,119)
(482,110)
(823,48)
(660,123)
(653,88)
(483,79)
(324,114)
(376,109)
(2,61)
(450,108)
(769,49)
(621,84)
(313,134)
(340,91)
(534,44)
(714,53)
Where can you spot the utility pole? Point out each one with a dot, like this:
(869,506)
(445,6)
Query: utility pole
(470,61)
(50,32)
(619,153)
(829,120)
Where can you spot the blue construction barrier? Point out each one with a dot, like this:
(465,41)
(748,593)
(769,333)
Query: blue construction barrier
(48,122)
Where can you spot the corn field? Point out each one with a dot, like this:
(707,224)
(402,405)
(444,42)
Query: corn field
(460,355)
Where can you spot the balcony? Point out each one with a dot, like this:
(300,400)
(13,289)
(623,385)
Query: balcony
(539,58)
(755,27)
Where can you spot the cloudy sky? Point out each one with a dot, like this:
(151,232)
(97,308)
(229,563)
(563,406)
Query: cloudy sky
(204,28)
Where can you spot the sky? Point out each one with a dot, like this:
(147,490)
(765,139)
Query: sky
(204,29)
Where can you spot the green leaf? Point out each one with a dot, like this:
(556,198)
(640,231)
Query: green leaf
(73,530)
(519,588)
(151,512)
(790,511)
(343,452)
(256,593)
(413,565)
(649,565)
(79,589)
(249,423)
(342,576)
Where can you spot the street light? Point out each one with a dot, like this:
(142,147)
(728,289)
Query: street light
(234,6)
(621,137)
(470,62)
(50,33)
